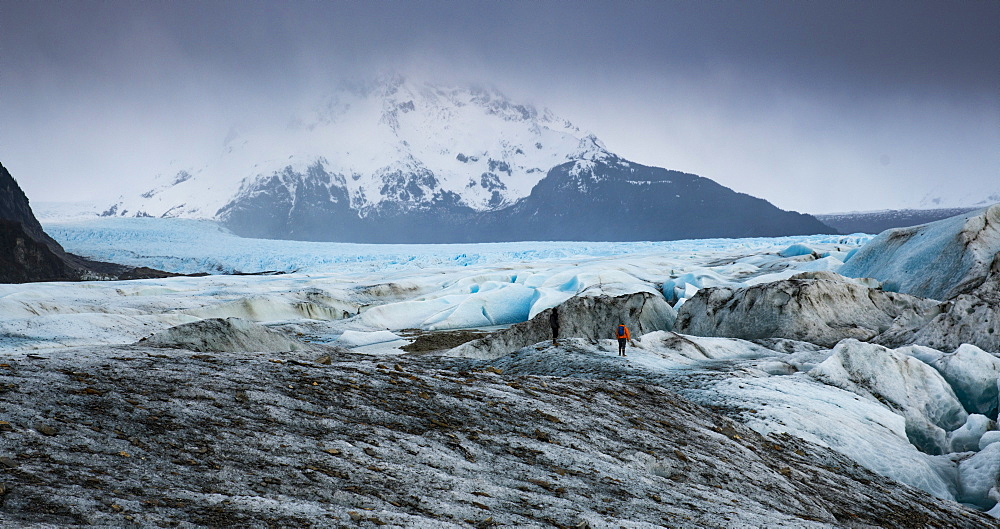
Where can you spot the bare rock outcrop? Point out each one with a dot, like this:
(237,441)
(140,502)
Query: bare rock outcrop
(217,335)
(592,318)
(26,260)
(15,207)
(27,253)
(817,307)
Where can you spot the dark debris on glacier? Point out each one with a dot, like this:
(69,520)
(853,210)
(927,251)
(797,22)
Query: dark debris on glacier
(143,437)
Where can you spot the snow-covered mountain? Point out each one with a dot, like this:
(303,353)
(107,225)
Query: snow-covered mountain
(402,161)
(951,196)
(388,141)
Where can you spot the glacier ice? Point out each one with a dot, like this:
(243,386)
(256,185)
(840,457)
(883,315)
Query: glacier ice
(969,319)
(974,374)
(384,289)
(912,388)
(989,438)
(496,304)
(796,250)
(224,335)
(979,477)
(968,437)
(863,429)
(818,307)
(686,285)
(358,338)
(588,317)
(938,260)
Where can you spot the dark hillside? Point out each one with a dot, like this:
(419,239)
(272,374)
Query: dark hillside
(28,254)
(879,221)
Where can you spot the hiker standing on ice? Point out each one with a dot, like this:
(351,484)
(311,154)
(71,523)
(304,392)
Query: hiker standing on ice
(554,323)
(621,332)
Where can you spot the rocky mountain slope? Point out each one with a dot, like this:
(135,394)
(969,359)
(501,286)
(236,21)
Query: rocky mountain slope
(402,161)
(28,254)
(612,199)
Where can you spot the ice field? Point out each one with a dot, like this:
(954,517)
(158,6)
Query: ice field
(388,287)
(363,296)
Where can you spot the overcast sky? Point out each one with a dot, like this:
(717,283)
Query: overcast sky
(815,106)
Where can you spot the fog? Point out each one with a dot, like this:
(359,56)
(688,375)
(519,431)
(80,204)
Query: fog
(815,107)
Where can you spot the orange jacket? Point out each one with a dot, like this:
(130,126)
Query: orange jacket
(627,335)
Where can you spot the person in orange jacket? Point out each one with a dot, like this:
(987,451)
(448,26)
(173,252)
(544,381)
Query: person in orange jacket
(621,332)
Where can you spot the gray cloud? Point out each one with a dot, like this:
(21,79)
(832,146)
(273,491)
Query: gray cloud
(882,101)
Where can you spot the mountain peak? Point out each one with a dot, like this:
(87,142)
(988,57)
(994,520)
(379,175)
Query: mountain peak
(393,159)
(470,142)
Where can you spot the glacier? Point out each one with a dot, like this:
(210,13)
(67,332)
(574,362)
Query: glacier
(921,416)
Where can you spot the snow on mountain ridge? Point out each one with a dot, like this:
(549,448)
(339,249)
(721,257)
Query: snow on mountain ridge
(949,196)
(376,139)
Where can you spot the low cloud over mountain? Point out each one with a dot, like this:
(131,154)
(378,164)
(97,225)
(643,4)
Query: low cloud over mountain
(400,161)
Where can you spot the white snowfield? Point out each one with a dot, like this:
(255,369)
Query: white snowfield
(875,405)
